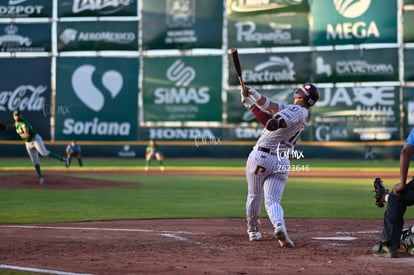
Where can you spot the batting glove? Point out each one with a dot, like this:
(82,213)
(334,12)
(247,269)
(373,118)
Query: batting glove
(253,93)
(247,102)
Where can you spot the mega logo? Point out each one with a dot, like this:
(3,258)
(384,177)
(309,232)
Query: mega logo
(94,99)
(181,75)
(355,29)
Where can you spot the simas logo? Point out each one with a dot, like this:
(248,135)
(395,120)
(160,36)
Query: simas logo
(182,75)
(104,7)
(16,8)
(274,70)
(24,97)
(88,93)
(261,5)
(356,29)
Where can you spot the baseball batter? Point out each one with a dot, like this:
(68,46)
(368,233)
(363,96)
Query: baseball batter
(34,143)
(268,164)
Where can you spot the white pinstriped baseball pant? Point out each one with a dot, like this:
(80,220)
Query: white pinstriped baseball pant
(266,176)
(36,147)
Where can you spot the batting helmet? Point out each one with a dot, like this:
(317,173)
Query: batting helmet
(309,92)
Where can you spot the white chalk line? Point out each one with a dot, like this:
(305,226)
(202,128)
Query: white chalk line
(102,229)
(346,235)
(164,233)
(39,270)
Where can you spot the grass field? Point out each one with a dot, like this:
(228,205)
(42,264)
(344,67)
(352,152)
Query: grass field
(182,196)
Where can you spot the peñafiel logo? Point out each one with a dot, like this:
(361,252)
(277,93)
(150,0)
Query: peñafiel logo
(86,90)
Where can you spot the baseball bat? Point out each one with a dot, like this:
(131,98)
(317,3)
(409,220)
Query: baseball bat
(237,66)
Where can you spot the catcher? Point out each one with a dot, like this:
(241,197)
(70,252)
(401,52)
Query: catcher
(33,141)
(153,151)
(398,200)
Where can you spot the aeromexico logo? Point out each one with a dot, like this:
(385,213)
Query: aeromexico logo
(86,90)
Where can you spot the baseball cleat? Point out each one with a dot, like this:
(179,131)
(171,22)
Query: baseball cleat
(41,180)
(282,237)
(381,250)
(254,236)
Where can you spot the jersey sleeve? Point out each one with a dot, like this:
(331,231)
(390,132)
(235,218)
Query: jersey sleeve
(410,138)
(291,114)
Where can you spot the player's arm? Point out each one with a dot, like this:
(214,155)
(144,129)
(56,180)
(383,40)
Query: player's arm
(263,102)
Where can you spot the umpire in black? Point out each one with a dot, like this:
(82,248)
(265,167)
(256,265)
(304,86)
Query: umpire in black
(398,200)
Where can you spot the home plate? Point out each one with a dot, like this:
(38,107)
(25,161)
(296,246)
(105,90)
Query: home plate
(335,238)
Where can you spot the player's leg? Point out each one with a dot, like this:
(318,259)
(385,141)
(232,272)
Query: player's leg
(393,226)
(41,148)
(148,158)
(160,159)
(273,189)
(79,157)
(34,158)
(255,175)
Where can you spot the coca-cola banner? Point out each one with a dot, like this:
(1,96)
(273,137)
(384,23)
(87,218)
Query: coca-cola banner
(25,86)
(25,8)
(72,8)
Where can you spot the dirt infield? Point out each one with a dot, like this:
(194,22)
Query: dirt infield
(188,246)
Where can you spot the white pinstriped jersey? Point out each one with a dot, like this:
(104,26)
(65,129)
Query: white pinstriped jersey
(295,117)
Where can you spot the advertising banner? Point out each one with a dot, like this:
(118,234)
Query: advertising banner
(268,6)
(237,113)
(182,88)
(408,64)
(408,107)
(272,24)
(356,114)
(341,22)
(408,34)
(272,68)
(76,8)
(25,8)
(98,36)
(96,98)
(199,135)
(27,89)
(268,30)
(31,37)
(361,65)
(178,24)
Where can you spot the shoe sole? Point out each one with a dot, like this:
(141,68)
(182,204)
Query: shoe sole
(280,236)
